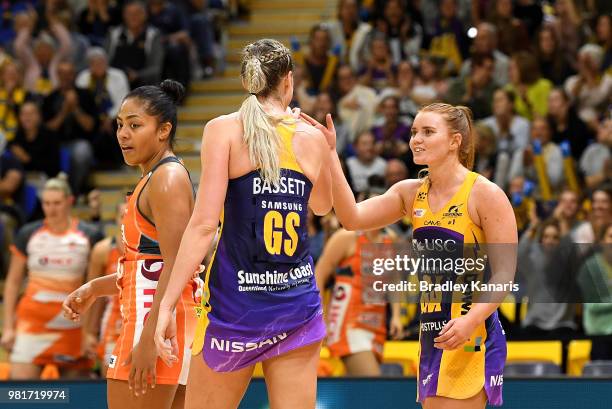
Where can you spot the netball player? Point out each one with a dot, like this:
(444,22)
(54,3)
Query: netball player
(356,317)
(54,252)
(261,168)
(462,345)
(103,322)
(156,215)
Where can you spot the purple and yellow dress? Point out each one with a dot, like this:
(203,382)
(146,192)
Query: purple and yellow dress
(260,297)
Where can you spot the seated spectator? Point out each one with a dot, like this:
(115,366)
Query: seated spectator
(202,33)
(599,216)
(96,19)
(53,255)
(512,34)
(324,104)
(40,57)
(476,90)
(566,124)
(350,34)
(379,71)
(12,96)
(553,64)
(72,113)
(405,83)
(174,29)
(568,26)
(136,47)
(365,163)
(12,216)
(301,98)
(597,155)
(589,90)
(34,145)
(356,102)
(604,39)
(109,86)
(523,159)
(486,155)
(531,15)
(403,34)
(317,59)
(449,40)
(594,281)
(567,212)
(393,136)
(529,88)
(485,43)
(511,131)
(429,85)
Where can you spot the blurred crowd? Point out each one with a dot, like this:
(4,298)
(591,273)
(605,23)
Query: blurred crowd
(537,76)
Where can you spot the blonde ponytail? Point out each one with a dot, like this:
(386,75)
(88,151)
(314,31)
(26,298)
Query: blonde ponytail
(264,63)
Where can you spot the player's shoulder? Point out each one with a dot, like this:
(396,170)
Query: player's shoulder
(484,188)
(27,230)
(103,246)
(224,121)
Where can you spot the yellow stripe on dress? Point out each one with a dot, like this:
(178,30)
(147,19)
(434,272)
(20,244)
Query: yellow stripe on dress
(287,156)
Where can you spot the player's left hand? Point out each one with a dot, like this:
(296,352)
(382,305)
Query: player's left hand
(143,359)
(455,333)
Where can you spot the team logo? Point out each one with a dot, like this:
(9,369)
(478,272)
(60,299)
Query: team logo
(152,269)
(475,347)
(112,361)
(418,213)
(453,211)
(421,196)
(426,380)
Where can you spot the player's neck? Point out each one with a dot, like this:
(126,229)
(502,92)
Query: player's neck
(446,175)
(59,226)
(148,165)
(274,107)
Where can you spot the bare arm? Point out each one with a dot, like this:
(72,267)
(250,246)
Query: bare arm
(204,221)
(97,265)
(14,279)
(333,253)
(321,200)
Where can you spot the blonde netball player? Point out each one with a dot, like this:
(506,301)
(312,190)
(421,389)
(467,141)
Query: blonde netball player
(156,215)
(462,345)
(54,252)
(261,169)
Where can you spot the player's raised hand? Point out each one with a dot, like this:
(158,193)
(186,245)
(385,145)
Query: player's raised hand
(329,132)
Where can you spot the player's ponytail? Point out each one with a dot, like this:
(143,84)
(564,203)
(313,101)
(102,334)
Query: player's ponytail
(264,63)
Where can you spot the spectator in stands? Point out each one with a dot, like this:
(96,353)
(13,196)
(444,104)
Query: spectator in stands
(476,90)
(404,35)
(567,25)
(35,145)
(316,235)
(552,61)
(324,104)
(486,154)
(49,10)
(449,40)
(430,84)
(136,47)
(540,268)
(202,33)
(531,15)
(356,102)
(379,70)
(40,57)
(523,161)
(96,19)
(594,283)
(604,39)
(396,172)
(54,254)
(366,163)
(512,34)
(12,96)
(530,89)
(567,212)
(301,98)
(317,59)
(392,136)
(405,83)
(566,124)
(589,90)
(350,34)
(72,113)
(511,130)
(596,156)
(109,86)
(485,43)
(12,178)
(174,29)
(598,217)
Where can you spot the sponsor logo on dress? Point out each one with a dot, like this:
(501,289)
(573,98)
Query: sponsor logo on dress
(112,361)
(453,211)
(239,346)
(418,212)
(426,380)
(475,347)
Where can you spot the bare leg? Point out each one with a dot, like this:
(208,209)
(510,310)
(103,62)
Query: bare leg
(120,396)
(361,364)
(291,378)
(24,371)
(478,401)
(179,398)
(209,389)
